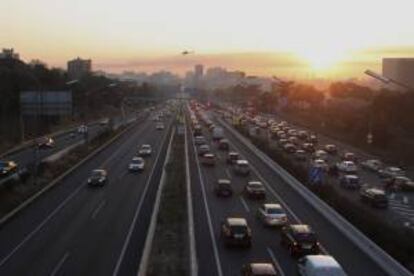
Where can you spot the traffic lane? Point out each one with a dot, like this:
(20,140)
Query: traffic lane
(354,261)
(28,155)
(82,233)
(204,245)
(266,240)
(21,225)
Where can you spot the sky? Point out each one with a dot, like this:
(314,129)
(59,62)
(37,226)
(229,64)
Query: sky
(292,38)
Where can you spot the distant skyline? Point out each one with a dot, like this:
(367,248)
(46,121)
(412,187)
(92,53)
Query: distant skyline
(297,38)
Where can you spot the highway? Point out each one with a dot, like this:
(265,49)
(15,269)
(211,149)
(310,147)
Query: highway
(74,229)
(215,259)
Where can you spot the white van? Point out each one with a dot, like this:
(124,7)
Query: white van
(319,265)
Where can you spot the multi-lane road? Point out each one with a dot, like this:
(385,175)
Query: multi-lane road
(74,229)
(209,211)
(77,230)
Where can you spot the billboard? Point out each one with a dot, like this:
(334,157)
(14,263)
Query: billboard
(50,103)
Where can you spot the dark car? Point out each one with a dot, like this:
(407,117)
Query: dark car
(223,188)
(331,149)
(258,269)
(374,196)
(349,181)
(7,167)
(235,231)
(300,240)
(45,143)
(203,149)
(255,190)
(224,144)
(97,178)
(198,130)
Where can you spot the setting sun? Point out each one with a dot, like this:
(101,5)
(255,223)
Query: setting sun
(322,58)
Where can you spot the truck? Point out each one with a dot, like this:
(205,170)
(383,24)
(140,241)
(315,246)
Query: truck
(218,133)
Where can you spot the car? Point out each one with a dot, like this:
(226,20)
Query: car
(7,167)
(104,122)
(255,190)
(331,149)
(293,140)
(283,142)
(320,154)
(98,177)
(82,129)
(159,126)
(303,135)
(223,188)
(271,214)
(401,183)
(299,239)
(242,167)
(349,181)
(145,150)
(348,167)
(320,163)
(45,142)
(203,149)
(349,156)
(199,140)
(308,147)
(390,172)
(232,157)
(259,269)
(137,164)
(224,144)
(319,265)
(313,139)
(236,232)
(208,159)
(289,148)
(300,155)
(372,165)
(197,130)
(373,196)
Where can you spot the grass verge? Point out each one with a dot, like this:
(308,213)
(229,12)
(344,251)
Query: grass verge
(169,254)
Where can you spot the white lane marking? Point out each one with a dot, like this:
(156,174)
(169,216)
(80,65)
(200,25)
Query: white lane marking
(228,173)
(100,206)
(50,216)
(405,200)
(244,204)
(190,212)
(59,264)
(137,211)
(143,266)
(275,262)
(40,226)
(210,224)
(281,201)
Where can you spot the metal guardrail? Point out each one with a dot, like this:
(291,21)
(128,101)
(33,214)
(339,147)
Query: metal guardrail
(377,254)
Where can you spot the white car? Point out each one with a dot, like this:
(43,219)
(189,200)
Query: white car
(242,167)
(137,164)
(390,172)
(145,150)
(372,165)
(347,167)
(320,154)
(272,215)
(159,126)
(319,265)
(320,163)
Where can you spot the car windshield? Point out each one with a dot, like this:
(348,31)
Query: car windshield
(97,174)
(238,229)
(136,161)
(275,211)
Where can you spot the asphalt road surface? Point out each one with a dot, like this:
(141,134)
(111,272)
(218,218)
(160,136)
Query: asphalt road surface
(74,229)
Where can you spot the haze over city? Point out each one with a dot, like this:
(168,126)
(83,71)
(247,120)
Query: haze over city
(291,38)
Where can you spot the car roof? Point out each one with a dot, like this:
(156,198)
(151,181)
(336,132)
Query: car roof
(272,206)
(351,176)
(237,221)
(322,261)
(137,158)
(223,181)
(255,183)
(376,191)
(99,171)
(209,155)
(301,228)
(242,161)
(263,268)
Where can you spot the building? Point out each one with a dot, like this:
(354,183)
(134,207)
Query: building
(198,75)
(399,69)
(78,68)
(9,54)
